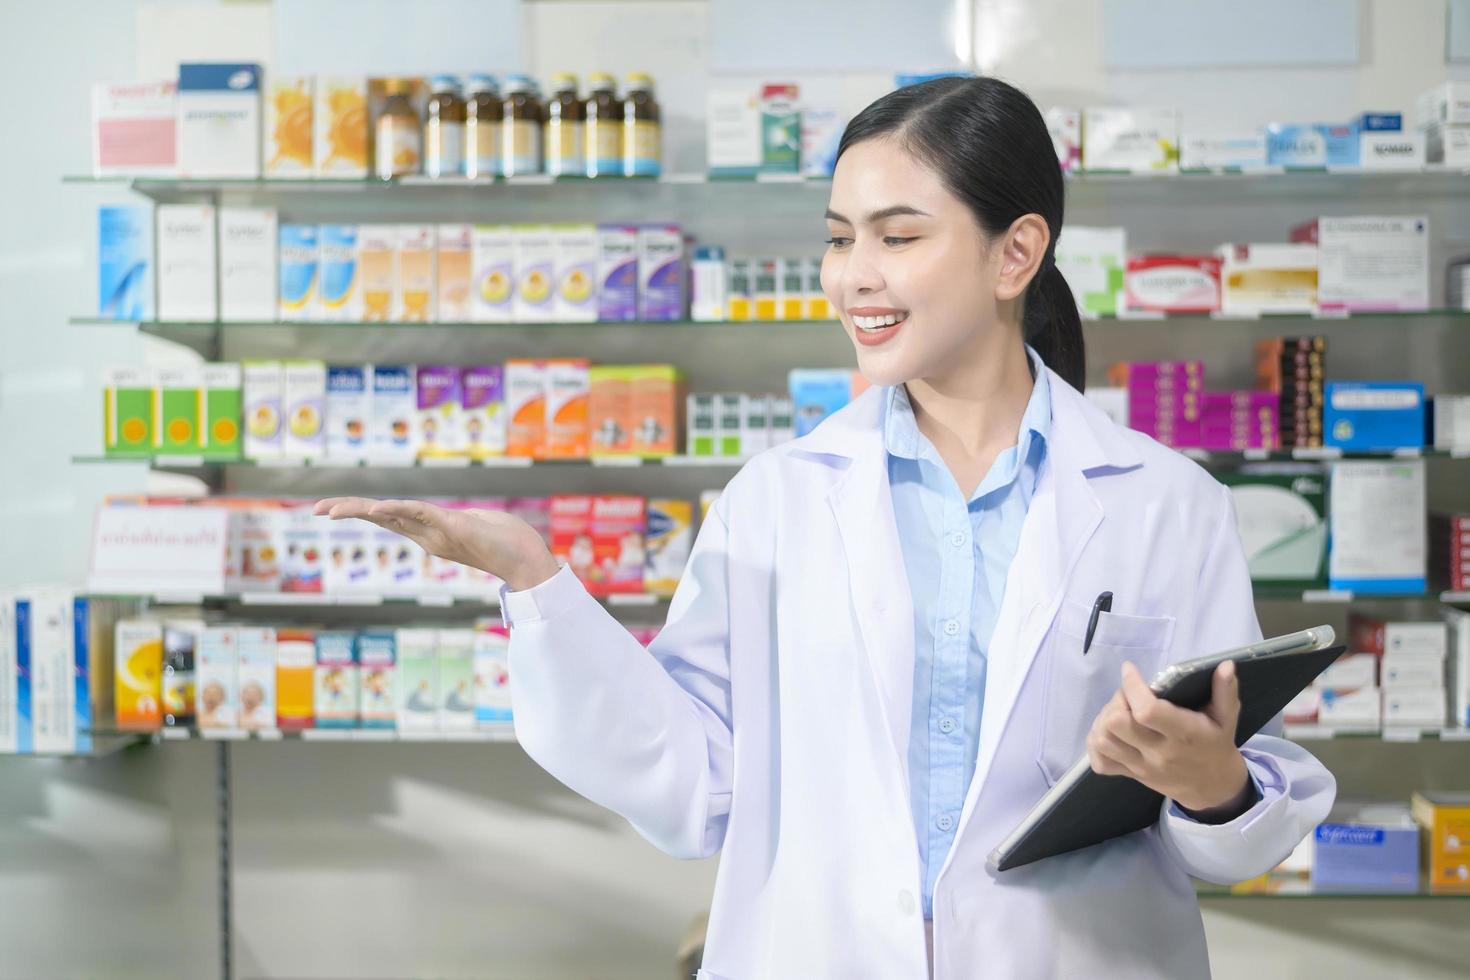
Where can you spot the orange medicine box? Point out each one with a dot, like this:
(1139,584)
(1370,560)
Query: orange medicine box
(568,389)
(570,527)
(656,399)
(295,679)
(617,545)
(525,408)
(1445,845)
(610,411)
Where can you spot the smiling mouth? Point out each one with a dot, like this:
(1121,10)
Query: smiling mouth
(873,324)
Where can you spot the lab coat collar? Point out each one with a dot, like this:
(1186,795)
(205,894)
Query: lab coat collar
(1093,441)
(1063,516)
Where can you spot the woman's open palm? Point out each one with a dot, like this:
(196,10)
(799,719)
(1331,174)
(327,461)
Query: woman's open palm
(492,541)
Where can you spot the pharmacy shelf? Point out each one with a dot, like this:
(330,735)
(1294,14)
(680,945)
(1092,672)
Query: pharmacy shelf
(1326,733)
(188,463)
(1215,186)
(1277,887)
(164,326)
(319,600)
(499,733)
(104,744)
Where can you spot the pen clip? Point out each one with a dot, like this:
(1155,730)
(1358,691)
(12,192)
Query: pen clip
(1103,603)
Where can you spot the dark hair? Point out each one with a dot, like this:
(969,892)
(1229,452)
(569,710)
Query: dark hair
(987,141)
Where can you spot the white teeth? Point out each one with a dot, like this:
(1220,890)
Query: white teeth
(878,322)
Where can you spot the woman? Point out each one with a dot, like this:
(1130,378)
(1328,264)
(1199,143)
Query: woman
(873,666)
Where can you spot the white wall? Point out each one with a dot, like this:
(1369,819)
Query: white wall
(458,860)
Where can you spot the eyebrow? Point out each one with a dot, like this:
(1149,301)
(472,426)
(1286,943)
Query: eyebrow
(895,211)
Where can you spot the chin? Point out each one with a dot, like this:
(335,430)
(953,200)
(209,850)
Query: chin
(882,371)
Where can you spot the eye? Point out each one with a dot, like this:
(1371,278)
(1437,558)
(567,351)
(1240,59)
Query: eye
(839,242)
(892,240)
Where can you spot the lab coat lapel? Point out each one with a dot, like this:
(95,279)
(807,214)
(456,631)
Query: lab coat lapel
(863,505)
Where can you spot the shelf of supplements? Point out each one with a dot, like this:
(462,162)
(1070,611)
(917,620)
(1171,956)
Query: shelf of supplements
(1430,180)
(1282,887)
(241,604)
(499,733)
(1266,592)
(200,463)
(1405,317)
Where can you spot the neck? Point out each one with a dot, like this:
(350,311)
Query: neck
(976,409)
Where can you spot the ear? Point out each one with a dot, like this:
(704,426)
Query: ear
(1020,250)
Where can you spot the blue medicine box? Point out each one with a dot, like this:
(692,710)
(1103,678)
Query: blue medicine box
(1373,416)
(1380,857)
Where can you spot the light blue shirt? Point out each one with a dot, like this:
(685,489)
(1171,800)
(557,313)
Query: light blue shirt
(957,553)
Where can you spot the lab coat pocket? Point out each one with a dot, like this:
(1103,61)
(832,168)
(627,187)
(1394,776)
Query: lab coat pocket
(1078,686)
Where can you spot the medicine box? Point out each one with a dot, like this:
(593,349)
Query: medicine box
(128,412)
(617,272)
(349,411)
(493,258)
(437,429)
(1378,527)
(1369,262)
(1137,140)
(377,262)
(288,131)
(492,675)
(574,273)
(257,674)
(138,674)
(1414,707)
(417,280)
(336,679)
(339,276)
(610,410)
(568,389)
(656,399)
(482,423)
(395,406)
(1445,817)
(218,699)
(340,123)
(1269,278)
(299,258)
(526,395)
(670,536)
(218,127)
(418,679)
(176,405)
(1065,126)
(1173,283)
(133,129)
(1094,261)
(617,527)
(125,280)
(247,264)
(535,261)
(1223,151)
(454,270)
(304,409)
(186,263)
(660,272)
(1378,852)
(377,701)
(1374,416)
(456,648)
(733,131)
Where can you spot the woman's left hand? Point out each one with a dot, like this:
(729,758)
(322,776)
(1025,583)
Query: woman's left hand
(1188,756)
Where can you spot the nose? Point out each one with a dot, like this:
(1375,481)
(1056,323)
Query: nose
(861,274)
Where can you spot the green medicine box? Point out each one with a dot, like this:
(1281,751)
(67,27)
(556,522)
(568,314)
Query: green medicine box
(176,407)
(127,413)
(222,411)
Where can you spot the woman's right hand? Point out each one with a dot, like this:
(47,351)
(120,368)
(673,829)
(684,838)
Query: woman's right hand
(492,541)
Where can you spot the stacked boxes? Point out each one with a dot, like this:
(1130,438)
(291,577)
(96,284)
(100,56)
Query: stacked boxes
(1164,398)
(1449,551)
(1294,368)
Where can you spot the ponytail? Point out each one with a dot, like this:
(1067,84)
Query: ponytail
(1052,325)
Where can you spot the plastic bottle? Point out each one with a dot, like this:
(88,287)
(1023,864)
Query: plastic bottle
(520,131)
(604,143)
(642,131)
(483,115)
(444,126)
(399,147)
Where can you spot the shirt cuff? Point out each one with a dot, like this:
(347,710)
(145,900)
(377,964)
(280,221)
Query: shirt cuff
(542,601)
(1261,793)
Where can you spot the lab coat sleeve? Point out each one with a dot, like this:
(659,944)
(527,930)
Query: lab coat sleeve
(643,732)
(1296,790)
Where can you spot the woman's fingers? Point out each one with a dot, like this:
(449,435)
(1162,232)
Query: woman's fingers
(343,507)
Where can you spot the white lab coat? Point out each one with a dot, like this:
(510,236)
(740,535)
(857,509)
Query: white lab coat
(771,717)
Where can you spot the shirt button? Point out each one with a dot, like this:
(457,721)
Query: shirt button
(946,725)
(906,902)
(945,822)
(957,539)
(952,626)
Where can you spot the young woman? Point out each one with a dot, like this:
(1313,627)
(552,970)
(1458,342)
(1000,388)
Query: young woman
(873,666)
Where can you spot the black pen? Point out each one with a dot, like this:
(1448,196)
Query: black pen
(1103,603)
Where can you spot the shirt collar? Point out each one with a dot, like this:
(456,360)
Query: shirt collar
(901,435)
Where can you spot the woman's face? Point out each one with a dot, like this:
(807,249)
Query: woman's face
(904,248)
